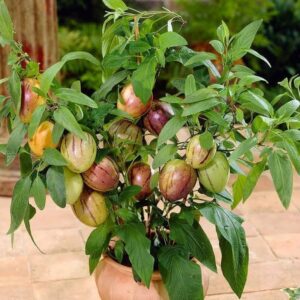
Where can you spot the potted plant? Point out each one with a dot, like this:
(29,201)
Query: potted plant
(116,158)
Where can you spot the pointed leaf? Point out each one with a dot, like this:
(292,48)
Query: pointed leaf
(170,129)
(56,185)
(137,247)
(38,191)
(194,239)
(282,175)
(65,118)
(181,276)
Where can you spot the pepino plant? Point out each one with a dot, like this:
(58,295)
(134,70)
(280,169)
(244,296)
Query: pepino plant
(144,169)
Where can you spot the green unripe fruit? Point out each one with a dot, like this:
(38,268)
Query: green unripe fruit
(125,134)
(79,154)
(176,180)
(197,156)
(216,174)
(91,208)
(73,186)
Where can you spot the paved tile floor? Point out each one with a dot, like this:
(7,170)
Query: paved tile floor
(62,272)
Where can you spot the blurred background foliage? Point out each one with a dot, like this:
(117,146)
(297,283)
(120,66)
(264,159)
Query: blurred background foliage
(279,39)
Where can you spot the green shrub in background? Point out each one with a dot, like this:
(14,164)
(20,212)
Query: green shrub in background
(204,16)
(282,33)
(85,37)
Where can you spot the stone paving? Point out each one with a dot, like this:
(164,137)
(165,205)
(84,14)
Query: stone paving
(62,272)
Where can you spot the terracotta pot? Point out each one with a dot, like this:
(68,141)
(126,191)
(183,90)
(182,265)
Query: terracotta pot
(115,282)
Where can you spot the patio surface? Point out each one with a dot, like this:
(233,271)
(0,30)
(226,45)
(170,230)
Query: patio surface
(62,273)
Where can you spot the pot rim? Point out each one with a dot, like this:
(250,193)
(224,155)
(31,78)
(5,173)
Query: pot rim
(156,276)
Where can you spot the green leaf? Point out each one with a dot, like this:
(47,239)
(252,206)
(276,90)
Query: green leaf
(38,191)
(109,84)
(249,79)
(126,215)
(143,88)
(212,68)
(32,69)
(49,75)
(256,103)
(129,192)
(236,278)
(56,185)
(14,86)
(138,47)
(216,118)
(218,46)
(181,276)
(3,149)
(81,55)
(252,178)
(115,4)
(53,157)
(154,180)
(30,213)
(171,39)
(206,140)
(190,85)
(20,202)
(25,161)
(293,153)
(200,95)
(160,56)
(235,255)
(14,143)
(194,239)
(238,190)
(137,247)
(223,32)
(98,238)
(165,154)
(170,129)
(200,107)
(243,147)
(97,242)
(287,109)
(199,59)
(6,24)
(66,119)
(256,54)
(119,250)
(282,175)
(36,120)
(172,99)
(71,95)
(243,40)
(57,133)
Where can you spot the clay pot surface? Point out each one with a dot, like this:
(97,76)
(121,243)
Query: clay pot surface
(115,282)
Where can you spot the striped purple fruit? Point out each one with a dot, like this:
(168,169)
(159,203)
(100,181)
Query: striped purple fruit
(91,208)
(156,118)
(102,177)
(176,180)
(215,175)
(197,156)
(140,174)
(79,154)
(126,134)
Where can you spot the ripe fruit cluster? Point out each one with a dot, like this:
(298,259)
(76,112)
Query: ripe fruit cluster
(87,181)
